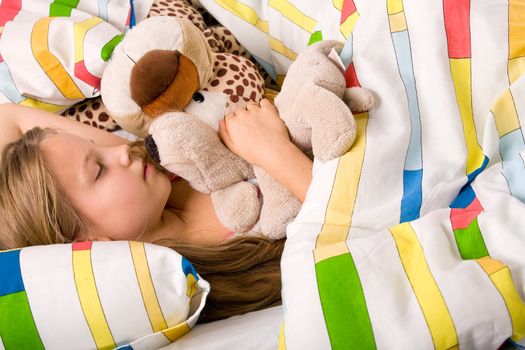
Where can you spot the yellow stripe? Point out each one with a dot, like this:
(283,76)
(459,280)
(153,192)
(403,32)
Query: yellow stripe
(516,28)
(505,114)
(191,285)
(516,68)
(324,252)
(348,25)
(29,102)
(89,300)
(176,332)
(140,261)
(240,10)
(80,30)
(398,22)
(262,26)
(293,14)
(50,63)
(394,6)
(502,279)
(490,265)
(460,69)
(282,342)
(344,192)
(425,288)
(278,46)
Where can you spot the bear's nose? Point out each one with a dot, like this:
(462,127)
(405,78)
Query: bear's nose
(152,149)
(152,75)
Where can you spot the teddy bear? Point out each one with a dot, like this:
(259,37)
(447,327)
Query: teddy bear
(151,73)
(182,122)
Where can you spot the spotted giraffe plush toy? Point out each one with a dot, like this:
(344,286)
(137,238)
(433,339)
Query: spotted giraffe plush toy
(220,40)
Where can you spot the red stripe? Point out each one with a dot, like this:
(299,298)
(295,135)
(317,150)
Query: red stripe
(348,9)
(457,27)
(8,11)
(351,77)
(82,245)
(83,74)
(460,218)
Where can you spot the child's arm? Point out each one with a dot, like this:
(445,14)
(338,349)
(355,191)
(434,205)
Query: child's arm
(258,135)
(16,120)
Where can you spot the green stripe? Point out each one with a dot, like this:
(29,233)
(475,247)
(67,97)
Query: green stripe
(470,242)
(343,302)
(17,327)
(62,8)
(107,50)
(315,37)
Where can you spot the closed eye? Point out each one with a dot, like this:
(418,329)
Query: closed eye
(100,170)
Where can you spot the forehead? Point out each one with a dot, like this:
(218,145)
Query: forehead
(65,154)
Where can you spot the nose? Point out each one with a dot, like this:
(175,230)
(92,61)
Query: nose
(123,155)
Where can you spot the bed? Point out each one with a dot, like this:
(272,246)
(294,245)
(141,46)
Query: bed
(413,239)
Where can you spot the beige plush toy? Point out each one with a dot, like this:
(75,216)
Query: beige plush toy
(314,105)
(165,65)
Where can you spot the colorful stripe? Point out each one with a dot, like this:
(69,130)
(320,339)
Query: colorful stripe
(343,302)
(176,332)
(516,65)
(457,26)
(16,312)
(340,290)
(279,47)
(62,8)
(7,85)
(508,126)
(80,30)
(240,10)
(8,11)
(147,289)
(501,277)
(103,9)
(282,338)
(50,63)
(431,301)
(191,277)
(292,13)
(349,18)
(315,37)
(88,296)
(107,50)
(413,168)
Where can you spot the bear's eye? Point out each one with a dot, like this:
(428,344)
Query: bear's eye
(197,97)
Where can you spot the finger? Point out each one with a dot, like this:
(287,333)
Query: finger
(223,133)
(229,116)
(266,104)
(251,106)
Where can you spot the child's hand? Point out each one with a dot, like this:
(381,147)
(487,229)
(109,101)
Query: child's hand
(255,134)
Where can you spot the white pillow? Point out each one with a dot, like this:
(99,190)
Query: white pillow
(97,295)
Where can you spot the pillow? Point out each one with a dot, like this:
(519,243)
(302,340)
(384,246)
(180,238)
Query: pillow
(52,55)
(93,295)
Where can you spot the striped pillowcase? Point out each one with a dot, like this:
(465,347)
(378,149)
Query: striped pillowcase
(97,295)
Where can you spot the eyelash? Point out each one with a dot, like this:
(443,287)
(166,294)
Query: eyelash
(100,171)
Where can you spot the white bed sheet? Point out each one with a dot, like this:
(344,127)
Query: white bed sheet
(258,330)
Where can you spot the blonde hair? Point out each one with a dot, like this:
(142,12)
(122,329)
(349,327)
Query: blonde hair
(244,273)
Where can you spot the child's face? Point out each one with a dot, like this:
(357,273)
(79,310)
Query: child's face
(120,196)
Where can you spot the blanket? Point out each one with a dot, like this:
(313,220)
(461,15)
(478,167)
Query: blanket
(414,239)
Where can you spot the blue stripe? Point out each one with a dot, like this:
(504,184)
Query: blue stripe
(132,20)
(476,172)
(412,195)
(10,274)
(7,85)
(269,68)
(511,145)
(347,52)
(188,268)
(464,198)
(514,172)
(103,9)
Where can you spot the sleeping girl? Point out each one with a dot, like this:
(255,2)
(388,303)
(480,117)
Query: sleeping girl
(63,181)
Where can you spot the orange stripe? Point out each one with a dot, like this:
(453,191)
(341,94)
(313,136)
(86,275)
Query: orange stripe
(50,63)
